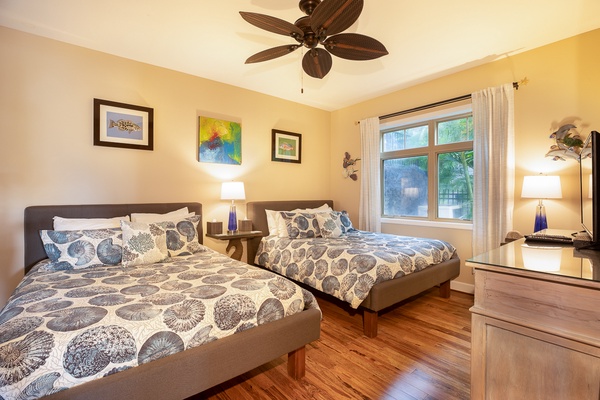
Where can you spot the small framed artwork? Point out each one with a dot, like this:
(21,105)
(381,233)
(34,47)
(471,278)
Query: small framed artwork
(123,125)
(286,146)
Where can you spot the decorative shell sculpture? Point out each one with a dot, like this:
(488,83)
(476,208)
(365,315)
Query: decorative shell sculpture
(567,145)
(349,166)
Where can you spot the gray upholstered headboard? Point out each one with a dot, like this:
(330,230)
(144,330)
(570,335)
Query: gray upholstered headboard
(41,217)
(255,211)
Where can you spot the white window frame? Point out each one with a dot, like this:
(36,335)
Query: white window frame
(432,151)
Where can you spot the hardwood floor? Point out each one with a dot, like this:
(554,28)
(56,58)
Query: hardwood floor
(422,351)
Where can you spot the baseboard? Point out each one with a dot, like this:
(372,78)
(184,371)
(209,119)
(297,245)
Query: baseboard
(462,287)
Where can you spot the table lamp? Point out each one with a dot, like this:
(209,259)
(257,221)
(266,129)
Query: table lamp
(541,187)
(232,191)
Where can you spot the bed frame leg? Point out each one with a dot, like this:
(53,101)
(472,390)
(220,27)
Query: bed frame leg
(370,323)
(445,289)
(296,363)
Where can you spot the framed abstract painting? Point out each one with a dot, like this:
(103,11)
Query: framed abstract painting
(286,146)
(123,125)
(219,141)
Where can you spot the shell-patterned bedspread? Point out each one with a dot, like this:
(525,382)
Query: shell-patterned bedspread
(348,266)
(63,328)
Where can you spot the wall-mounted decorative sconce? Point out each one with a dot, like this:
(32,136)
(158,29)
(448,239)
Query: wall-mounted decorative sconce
(349,165)
(232,191)
(541,187)
(567,145)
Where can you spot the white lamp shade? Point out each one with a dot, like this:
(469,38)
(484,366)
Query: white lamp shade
(233,191)
(541,187)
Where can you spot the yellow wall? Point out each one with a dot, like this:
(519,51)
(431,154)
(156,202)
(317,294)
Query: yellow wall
(564,87)
(47,154)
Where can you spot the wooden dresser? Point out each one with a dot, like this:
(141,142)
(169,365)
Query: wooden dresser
(536,323)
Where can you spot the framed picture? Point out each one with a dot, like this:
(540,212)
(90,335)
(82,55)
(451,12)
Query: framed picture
(219,141)
(286,146)
(123,125)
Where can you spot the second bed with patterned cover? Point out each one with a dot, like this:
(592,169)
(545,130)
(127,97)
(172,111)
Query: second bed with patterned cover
(309,242)
(347,267)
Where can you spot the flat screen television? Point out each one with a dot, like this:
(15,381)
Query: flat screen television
(589,183)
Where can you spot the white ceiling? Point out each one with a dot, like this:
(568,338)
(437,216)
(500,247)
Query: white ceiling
(425,38)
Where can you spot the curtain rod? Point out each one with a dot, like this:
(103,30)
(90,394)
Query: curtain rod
(426,106)
(523,81)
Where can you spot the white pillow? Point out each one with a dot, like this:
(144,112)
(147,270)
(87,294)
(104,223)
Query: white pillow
(280,222)
(271,217)
(77,224)
(152,217)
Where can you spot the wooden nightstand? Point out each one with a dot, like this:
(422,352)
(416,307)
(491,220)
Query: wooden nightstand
(235,241)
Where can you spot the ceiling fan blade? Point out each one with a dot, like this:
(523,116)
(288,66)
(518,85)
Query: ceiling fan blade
(272,53)
(353,46)
(334,16)
(317,63)
(273,24)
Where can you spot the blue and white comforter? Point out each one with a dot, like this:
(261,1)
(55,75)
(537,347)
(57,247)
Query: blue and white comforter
(348,266)
(60,329)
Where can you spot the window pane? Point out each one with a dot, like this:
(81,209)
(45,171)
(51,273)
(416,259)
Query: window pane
(455,185)
(405,187)
(409,138)
(456,130)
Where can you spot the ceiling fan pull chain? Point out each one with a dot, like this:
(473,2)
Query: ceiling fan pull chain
(302,75)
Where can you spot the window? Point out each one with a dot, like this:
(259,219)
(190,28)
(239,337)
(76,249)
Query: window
(427,168)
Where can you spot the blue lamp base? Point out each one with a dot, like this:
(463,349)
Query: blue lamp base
(540,218)
(232,223)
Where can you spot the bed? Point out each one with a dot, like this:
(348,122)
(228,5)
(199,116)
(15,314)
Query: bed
(34,318)
(382,294)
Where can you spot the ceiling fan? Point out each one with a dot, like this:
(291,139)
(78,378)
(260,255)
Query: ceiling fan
(322,25)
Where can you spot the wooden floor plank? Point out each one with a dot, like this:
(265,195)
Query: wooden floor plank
(422,352)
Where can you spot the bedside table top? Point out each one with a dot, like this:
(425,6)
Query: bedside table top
(237,235)
(547,258)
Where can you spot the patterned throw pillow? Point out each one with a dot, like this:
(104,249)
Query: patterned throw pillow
(182,236)
(330,224)
(346,223)
(300,225)
(82,248)
(143,243)
(280,227)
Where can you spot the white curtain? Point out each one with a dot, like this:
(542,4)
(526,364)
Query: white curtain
(494,166)
(369,217)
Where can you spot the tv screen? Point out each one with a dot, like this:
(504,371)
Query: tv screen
(589,175)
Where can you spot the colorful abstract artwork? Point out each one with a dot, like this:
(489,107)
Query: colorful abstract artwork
(219,141)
